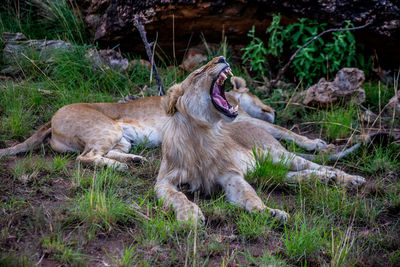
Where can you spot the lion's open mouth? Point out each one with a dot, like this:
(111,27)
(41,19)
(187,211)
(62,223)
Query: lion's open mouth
(218,94)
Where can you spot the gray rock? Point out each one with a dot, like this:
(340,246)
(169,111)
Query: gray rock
(345,87)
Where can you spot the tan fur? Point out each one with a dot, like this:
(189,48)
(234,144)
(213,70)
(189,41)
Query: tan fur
(203,148)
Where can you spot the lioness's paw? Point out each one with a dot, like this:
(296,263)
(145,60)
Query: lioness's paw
(279,214)
(356,181)
(138,159)
(191,213)
(319,144)
(121,166)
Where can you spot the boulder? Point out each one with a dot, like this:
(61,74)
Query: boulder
(345,87)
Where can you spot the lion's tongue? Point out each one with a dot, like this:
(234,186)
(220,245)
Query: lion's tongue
(218,99)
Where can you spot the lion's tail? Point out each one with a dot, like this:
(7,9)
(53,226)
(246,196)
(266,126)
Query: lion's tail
(334,157)
(367,139)
(36,139)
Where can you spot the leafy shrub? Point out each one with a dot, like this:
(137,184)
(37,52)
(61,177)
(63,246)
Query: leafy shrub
(323,57)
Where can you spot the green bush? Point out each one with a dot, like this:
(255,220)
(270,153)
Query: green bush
(323,57)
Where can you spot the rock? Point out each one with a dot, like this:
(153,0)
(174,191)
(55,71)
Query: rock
(109,58)
(346,86)
(17,47)
(112,21)
(194,57)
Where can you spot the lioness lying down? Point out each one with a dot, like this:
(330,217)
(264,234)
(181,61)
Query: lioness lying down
(203,146)
(103,132)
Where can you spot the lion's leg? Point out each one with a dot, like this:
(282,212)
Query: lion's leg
(185,210)
(98,148)
(240,192)
(279,132)
(119,153)
(302,170)
(94,158)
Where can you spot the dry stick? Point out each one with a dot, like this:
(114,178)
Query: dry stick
(142,32)
(284,69)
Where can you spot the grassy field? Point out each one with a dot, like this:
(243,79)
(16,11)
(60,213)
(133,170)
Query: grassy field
(54,211)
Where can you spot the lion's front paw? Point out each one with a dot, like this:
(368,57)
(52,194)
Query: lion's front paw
(319,144)
(356,181)
(190,213)
(279,214)
(138,159)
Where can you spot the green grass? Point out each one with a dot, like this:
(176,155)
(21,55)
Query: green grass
(305,238)
(48,19)
(99,207)
(377,95)
(336,123)
(63,252)
(265,172)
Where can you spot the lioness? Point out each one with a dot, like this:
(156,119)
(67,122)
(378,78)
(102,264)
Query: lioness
(203,146)
(103,132)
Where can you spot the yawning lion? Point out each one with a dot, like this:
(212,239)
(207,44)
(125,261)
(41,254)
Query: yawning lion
(203,146)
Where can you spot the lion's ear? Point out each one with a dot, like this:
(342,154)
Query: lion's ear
(238,83)
(173,94)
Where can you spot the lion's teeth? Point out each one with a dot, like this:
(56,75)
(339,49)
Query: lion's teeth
(223,75)
(230,72)
(236,108)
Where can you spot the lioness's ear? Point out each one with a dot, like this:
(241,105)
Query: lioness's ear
(173,94)
(238,83)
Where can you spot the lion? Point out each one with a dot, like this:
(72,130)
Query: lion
(204,146)
(103,132)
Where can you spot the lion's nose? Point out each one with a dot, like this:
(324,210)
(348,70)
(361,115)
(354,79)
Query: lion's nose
(221,60)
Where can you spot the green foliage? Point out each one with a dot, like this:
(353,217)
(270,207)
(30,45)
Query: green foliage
(63,19)
(12,259)
(255,53)
(305,238)
(379,160)
(47,19)
(336,123)
(63,252)
(254,225)
(377,95)
(265,171)
(99,207)
(322,58)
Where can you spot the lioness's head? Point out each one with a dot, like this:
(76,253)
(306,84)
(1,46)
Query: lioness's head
(249,102)
(202,93)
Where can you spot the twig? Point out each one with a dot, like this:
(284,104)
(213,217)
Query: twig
(284,68)
(147,45)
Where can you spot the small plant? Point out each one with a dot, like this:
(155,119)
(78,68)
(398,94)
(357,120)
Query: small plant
(27,169)
(63,252)
(265,171)
(305,238)
(126,257)
(59,164)
(99,207)
(254,225)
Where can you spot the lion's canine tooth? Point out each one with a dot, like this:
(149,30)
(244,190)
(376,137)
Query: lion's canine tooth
(223,75)
(230,72)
